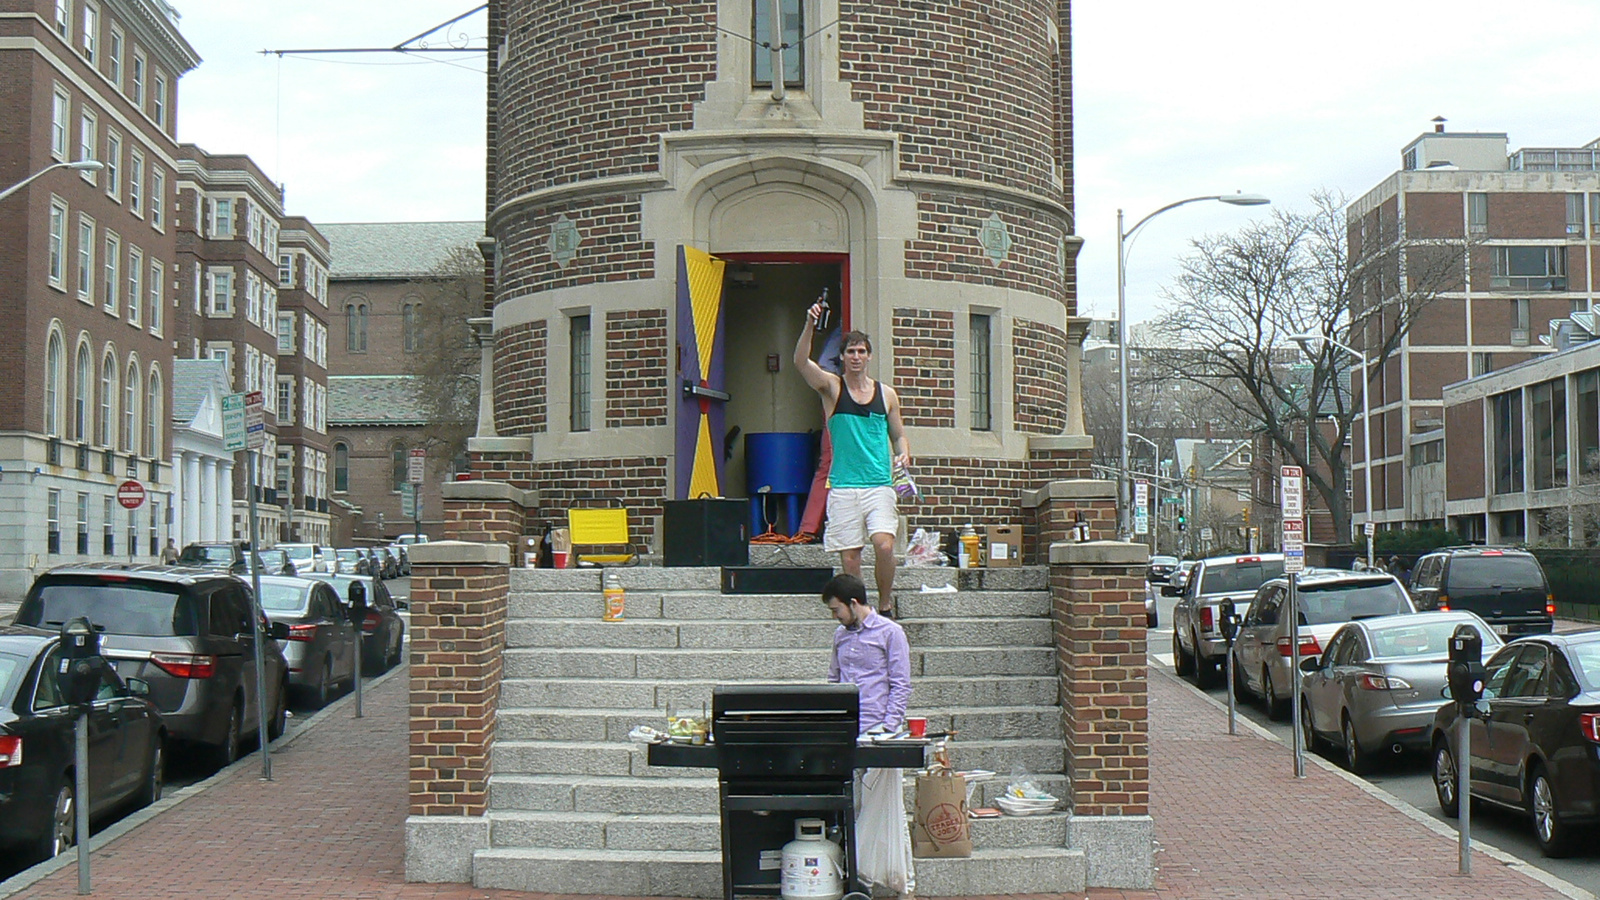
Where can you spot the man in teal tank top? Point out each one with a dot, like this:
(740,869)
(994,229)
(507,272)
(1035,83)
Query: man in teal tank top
(863,419)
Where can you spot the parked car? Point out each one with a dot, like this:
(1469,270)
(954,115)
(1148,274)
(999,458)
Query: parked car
(1535,750)
(225,556)
(386,562)
(402,560)
(1377,685)
(321,646)
(330,560)
(1505,586)
(383,631)
(1265,661)
(37,733)
(1179,578)
(1150,614)
(411,539)
(1160,568)
(275,562)
(1197,645)
(189,633)
(352,561)
(307,558)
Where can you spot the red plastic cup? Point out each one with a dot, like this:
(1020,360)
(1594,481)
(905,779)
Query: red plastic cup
(558,559)
(918,726)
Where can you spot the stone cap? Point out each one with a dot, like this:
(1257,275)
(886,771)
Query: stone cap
(1099,553)
(459,553)
(1071,489)
(488,491)
(1061,442)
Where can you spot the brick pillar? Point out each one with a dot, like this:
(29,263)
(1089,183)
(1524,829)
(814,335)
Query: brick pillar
(487,512)
(459,595)
(1052,513)
(1097,593)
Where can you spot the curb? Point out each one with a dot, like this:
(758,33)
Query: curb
(1518,864)
(33,874)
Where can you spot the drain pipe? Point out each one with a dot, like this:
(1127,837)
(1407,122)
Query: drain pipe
(776,38)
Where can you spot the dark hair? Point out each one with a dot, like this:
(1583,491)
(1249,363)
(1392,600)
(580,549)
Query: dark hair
(845,588)
(855,337)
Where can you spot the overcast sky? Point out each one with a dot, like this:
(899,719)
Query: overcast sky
(1173,99)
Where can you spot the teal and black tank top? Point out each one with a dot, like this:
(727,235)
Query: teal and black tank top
(860,435)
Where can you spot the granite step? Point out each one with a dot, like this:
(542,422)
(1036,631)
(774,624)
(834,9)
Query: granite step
(756,666)
(596,723)
(711,634)
(640,693)
(709,578)
(657,604)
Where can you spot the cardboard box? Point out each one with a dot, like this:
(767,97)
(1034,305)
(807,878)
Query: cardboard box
(1003,546)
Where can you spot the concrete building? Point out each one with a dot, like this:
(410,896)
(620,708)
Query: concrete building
(201,463)
(666,218)
(87,260)
(1521,230)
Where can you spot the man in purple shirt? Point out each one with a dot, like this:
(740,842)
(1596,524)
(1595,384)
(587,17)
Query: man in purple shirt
(869,651)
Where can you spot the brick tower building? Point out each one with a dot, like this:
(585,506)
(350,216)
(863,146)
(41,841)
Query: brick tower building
(661,214)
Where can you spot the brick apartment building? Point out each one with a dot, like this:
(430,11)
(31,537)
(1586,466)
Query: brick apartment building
(1526,225)
(88,262)
(660,213)
(376,284)
(257,300)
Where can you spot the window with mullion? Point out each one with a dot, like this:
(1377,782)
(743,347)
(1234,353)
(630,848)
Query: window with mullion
(580,350)
(792,14)
(982,363)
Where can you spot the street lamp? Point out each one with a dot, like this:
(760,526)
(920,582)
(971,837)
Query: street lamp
(82,165)
(1155,482)
(1122,329)
(1304,340)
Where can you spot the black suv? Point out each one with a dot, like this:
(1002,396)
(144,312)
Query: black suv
(187,632)
(1505,586)
(225,556)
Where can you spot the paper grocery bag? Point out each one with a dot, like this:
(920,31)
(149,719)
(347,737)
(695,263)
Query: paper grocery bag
(940,827)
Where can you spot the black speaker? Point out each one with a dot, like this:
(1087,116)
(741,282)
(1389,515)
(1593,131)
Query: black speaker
(705,533)
(775,579)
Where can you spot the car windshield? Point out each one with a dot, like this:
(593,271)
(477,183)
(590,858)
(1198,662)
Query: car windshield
(298,552)
(1585,658)
(212,555)
(349,554)
(11,671)
(149,610)
(1423,639)
(1321,605)
(1471,573)
(283,597)
(1228,578)
(273,557)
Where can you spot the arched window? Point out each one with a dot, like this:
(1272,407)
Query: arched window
(82,394)
(52,385)
(355,327)
(397,466)
(341,467)
(411,319)
(152,415)
(107,425)
(130,407)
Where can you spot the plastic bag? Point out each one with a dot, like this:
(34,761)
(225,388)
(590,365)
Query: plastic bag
(904,487)
(883,840)
(923,550)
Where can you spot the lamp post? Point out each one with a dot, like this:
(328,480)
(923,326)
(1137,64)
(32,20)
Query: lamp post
(82,165)
(1126,509)
(1305,340)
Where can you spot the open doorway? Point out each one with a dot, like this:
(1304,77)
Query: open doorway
(774,419)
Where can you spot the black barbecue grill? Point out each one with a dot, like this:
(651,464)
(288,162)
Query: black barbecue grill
(783,752)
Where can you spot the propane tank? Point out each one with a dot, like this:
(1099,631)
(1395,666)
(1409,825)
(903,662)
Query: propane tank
(613,595)
(813,866)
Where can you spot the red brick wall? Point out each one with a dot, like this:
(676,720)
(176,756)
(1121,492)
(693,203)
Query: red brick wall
(924,366)
(515,469)
(611,246)
(609,76)
(947,246)
(639,483)
(1464,443)
(458,616)
(1433,215)
(636,368)
(520,381)
(1527,215)
(1039,398)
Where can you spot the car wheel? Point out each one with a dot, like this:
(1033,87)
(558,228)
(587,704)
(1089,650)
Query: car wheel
(1356,759)
(1276,708)
(399,647)
(154,777)
(1308,729)
(61,832)
(1182,663)
(1555,838)
(325,684)
(1444,779)
(226,753)
(280,717)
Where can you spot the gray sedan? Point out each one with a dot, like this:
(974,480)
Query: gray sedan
(321,647)
(1379,683)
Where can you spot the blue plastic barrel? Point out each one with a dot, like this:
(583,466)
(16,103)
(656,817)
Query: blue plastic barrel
(783,462)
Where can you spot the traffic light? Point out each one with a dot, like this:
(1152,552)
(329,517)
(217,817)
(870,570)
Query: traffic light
(1247,515)
(1183,521)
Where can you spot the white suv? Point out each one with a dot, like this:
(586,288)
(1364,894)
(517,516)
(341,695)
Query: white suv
(307,558)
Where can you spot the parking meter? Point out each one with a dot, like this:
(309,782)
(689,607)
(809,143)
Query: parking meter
(1229,615)
(358,603)
(1465,672)
(1230,621)
(78,679)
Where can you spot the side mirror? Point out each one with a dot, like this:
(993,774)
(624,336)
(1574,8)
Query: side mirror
(402,604)
(278,631)
(1311,664)
(138,687)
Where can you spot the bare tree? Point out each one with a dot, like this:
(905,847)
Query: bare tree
(444,366)
(1242,295)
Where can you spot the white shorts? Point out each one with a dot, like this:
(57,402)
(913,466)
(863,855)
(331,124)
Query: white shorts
(854,514)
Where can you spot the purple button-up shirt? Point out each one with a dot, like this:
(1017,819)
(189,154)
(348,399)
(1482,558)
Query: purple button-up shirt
(875,657)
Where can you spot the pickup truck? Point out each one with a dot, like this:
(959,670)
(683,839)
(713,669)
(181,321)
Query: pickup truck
(1198,648)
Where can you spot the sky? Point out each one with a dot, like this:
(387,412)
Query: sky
(1173,99)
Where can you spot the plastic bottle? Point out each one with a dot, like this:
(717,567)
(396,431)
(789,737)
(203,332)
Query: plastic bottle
(613,595)
(969,548)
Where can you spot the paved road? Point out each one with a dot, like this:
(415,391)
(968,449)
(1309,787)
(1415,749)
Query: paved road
(1408,778)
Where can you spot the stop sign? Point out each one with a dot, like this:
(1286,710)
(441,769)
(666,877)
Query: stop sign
(130,494)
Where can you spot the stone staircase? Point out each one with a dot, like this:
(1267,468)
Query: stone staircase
(575,808)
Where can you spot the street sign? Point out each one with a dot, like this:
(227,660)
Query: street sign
(1141,507)
(1292,491)
(416,473)
(233,422)
(255,427)
(1294,546)
(408,499)
(1205,534)
(1369,528)
(130,494)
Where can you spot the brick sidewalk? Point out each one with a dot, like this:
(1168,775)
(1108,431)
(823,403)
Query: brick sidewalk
(1230,819)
